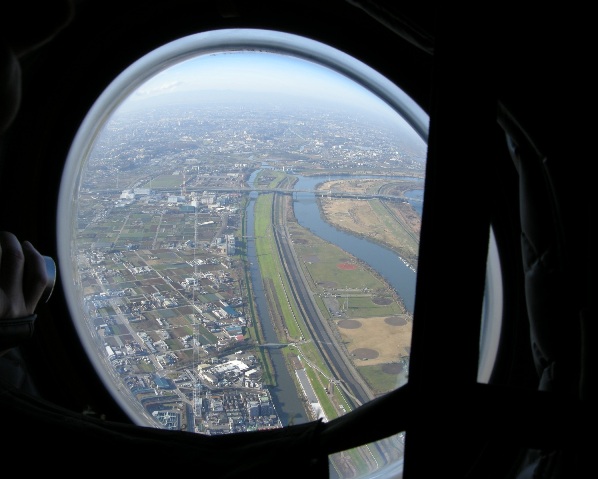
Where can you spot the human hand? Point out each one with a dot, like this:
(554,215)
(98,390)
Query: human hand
(23,277)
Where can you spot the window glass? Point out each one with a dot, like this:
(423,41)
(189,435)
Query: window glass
(239,233)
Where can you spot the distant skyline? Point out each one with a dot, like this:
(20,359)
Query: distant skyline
(254,72)
(258,73)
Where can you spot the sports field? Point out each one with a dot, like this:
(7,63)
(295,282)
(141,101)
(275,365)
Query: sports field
(365,312)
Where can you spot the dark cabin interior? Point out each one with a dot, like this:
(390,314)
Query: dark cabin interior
(507,90)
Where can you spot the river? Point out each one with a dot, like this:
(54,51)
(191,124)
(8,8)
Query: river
(381,259)
(288,404)
(387,263)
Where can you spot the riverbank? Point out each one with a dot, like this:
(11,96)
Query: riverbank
(367,316)
(392,224)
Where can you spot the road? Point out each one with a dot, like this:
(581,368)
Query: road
(345,374)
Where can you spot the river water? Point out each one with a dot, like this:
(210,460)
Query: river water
(383,260)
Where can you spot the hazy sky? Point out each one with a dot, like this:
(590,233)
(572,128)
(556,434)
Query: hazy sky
(260,72)
(254,71)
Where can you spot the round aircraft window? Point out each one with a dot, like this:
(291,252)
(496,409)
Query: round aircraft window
(239,232)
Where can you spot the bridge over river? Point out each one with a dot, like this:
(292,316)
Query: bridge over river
(286,191)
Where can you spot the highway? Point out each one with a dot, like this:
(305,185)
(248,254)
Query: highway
(341,366)
(345,375)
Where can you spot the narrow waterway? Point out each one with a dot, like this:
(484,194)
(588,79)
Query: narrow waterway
(288,404)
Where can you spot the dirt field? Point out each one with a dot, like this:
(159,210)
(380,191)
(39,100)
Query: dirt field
(377,340)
